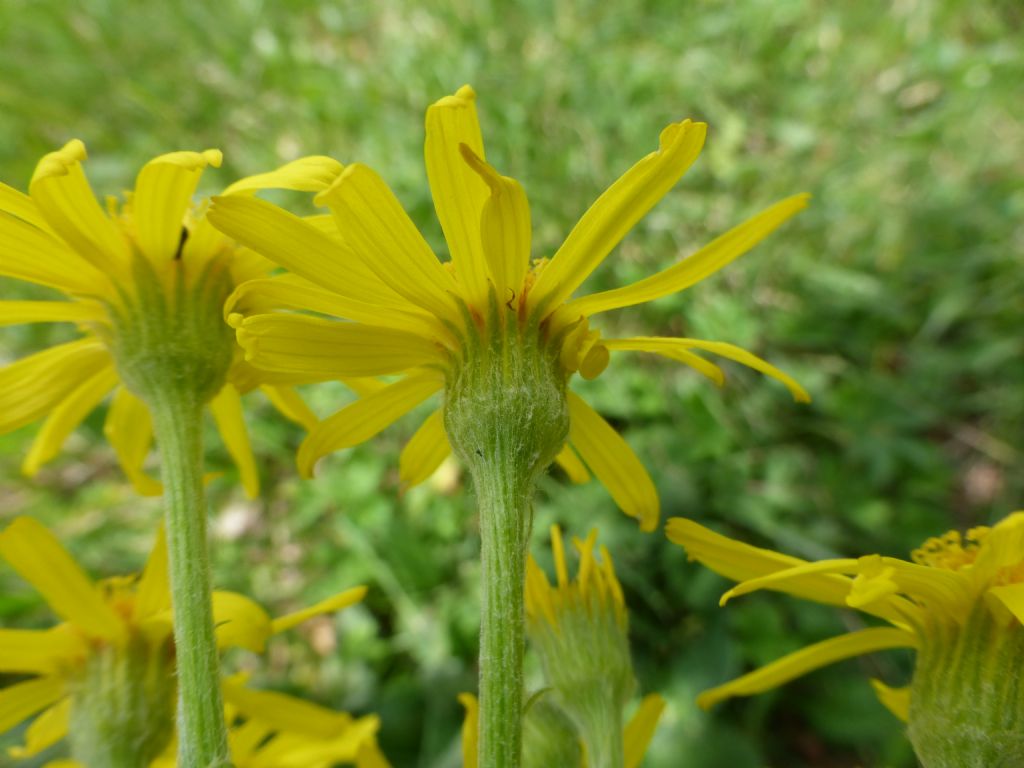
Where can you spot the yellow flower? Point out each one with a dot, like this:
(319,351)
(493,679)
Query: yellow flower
(959,604)
(115,640)
(636,736)
(417,316)
(121,271)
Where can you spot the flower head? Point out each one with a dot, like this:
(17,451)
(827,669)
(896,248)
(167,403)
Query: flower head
(145,280)
(115,645)
(961,598)
(498,332)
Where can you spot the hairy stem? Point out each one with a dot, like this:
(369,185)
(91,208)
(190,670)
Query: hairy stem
(177,418)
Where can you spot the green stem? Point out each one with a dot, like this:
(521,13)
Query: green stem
(177,418)
(505,513)
(599,719)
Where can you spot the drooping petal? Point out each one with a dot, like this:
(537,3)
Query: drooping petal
(32,254)
(42,561)
(896,700)
(286,713)
(1007,602)
(332,604)
(163,192)
(39,651)
(17,312)
(459,193)
(424,452)
(676,348)
(22,700)
(615,212)
(65,199)
(153,593)
(614,463)
(570,462)
(36,384)
(45,731)
(742,562)
(287,240)
(365,418)
(807,660)
(470,729)
(240,622)
(21,206)
(314,173)
(504,228)
(640,729)
(806,576)
(376,228)
(705,262)
(370,755)
(226,408)
(668,348)
(129,429)
(66,416)
(288,402)
(325,349)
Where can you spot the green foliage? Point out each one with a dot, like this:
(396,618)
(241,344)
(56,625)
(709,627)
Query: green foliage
(895,299)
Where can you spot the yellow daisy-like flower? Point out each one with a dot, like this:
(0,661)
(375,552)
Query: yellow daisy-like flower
(113,654)
(960,604)
(122,271)
(433,321)
(636,736)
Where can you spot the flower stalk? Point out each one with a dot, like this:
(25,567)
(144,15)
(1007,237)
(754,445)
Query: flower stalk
(177,421)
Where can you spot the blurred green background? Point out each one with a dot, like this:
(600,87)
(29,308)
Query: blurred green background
(896,299)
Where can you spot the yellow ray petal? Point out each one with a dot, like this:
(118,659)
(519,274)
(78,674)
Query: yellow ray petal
(424,452)
(66,416)
(37,651)
(743,562)
(570,462)
(670,349)
(806,573)
(43,562)
(46,730)
(65,199)
(35,384)
(163,192)
(328,349)
(615,212)
(668,346)
(286,713)
(705,262)
(287,240)
(22,700)
(153,593)
(226,408)
(614,463)
(458,192)
(16,312)
(29,253)
(370,756)
(504,228)
(289,291)
(314,173)
(806,660)
(129,429)
(1007,602)
(20,205)
(365,418)
(470,729)
(332,604)
(376,228)
(290,404)
(241,623)
(896,700)
(640,729)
